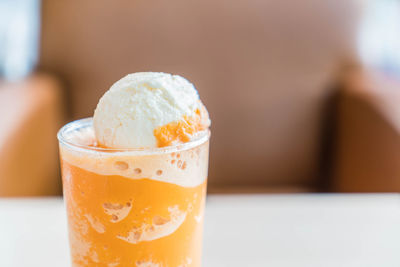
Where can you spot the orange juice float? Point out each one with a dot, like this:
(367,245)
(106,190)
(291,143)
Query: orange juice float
(132,205)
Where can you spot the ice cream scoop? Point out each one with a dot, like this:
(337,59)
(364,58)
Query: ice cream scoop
(149,109)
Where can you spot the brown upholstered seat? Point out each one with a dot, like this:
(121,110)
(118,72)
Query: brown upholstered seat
(261,67)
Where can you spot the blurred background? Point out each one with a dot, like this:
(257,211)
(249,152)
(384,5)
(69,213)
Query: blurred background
(304,95)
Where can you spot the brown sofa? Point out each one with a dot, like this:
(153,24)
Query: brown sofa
(31,113)
(367,150)
(264,69)
(261,67)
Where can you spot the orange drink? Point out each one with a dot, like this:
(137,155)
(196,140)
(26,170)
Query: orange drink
(133,207)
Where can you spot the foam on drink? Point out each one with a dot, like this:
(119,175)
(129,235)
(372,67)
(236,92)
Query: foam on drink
(185,168)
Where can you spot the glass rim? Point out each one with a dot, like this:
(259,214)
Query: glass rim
(85,122)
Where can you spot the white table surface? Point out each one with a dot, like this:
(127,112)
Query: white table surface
(258,230)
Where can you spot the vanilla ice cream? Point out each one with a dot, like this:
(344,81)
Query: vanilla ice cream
(149,109)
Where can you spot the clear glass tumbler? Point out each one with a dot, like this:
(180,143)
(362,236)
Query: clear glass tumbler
(133,207)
